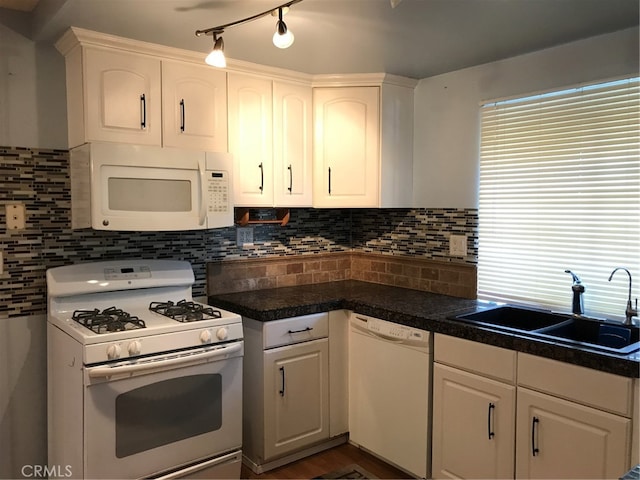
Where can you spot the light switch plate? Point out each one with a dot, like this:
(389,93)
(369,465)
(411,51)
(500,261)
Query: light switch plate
(458,245)
(15,216)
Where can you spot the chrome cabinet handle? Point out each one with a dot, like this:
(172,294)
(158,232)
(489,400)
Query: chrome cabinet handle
(329,180)
(534,449)
(143,105)
(490,431)
(290,179)
(261,177)
(282,381)
(182,115)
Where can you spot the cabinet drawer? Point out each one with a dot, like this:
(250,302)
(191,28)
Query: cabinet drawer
(594,388)
(487,360)
(295,330)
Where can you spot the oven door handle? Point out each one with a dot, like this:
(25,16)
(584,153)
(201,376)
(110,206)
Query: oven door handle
(162,364)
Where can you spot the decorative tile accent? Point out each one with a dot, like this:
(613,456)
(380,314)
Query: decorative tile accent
(39,179)
(417,273)
(230,276)
(416,232)
(458,280)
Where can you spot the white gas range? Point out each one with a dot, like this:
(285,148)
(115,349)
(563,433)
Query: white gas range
(142,381)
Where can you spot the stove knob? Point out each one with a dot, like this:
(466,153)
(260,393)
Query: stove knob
(205,336)
(113,352)
(134,348)
(222,333)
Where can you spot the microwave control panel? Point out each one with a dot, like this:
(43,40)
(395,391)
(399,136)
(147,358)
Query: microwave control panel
(218,191)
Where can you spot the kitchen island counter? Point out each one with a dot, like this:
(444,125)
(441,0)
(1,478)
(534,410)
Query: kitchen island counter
(414,308)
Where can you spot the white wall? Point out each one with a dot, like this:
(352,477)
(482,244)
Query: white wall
(23,394)
(447,129)
(33,110)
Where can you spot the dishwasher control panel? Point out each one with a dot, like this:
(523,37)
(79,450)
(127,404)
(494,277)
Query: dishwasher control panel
(394,330)
(390,330)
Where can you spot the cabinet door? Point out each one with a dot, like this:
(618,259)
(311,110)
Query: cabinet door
(122,97)
(296,396)
(194,105)
(292,144)
(473,425)
(561,439)
(346,147)
(251,139)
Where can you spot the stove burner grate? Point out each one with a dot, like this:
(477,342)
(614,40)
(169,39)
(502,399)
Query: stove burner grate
(184,311)
(109,320)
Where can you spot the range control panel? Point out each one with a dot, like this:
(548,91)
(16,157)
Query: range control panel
(127,273)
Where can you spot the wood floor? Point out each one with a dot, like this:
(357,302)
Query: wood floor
(329,461)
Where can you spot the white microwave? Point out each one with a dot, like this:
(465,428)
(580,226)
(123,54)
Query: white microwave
(145,188)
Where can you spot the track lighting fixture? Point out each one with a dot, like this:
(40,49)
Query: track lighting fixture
(216,57)
(282,38)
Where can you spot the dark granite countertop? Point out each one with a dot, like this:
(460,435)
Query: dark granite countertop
(414,308)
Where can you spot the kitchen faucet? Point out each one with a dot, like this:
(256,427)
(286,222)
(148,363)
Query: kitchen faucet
(577,306)
(630,312)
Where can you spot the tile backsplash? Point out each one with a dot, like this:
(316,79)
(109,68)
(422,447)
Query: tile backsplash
(39,179)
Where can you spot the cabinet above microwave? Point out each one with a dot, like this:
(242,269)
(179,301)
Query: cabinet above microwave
(145,188)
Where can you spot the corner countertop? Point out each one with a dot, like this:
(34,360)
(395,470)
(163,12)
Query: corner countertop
(414,308)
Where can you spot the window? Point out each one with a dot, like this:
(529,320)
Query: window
(560,189)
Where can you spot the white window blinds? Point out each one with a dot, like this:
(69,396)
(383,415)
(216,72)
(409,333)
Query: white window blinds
(560,189)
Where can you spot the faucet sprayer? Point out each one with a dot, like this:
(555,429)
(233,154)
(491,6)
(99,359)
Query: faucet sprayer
(577,306)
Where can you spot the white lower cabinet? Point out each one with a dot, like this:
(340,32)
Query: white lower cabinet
(571,421)
(286,405)
(296,396)
(474,398)
(561,439)
(473,425)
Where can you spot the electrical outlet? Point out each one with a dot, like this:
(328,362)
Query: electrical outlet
(15,216)
(458,245)
(244,236)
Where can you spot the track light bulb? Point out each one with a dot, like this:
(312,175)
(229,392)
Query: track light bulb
(283,38)
(216,57)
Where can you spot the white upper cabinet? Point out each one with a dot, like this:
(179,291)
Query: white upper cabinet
(292,144)
(122,98)
(363,142)
(194,106)
(124,91)
(270,135)
(251,139)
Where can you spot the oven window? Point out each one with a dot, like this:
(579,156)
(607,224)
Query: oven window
(149,195)
(166,412)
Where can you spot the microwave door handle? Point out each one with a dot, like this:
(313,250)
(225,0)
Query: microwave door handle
(203,204)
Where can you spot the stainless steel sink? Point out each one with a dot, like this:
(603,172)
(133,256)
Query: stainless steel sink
(606,336)
(513,318)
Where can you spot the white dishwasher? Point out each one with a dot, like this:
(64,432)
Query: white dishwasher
(390,369)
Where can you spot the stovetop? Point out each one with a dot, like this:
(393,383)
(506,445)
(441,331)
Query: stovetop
(185,311)
(113,319)
(110,319)
(138,307)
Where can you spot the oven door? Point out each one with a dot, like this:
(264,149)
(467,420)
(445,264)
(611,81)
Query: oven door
(163,412)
